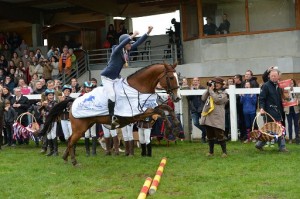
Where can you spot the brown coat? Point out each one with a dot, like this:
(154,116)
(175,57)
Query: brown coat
(47,71)
(217,117)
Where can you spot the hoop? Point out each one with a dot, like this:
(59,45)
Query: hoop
(267,132)
(19,118)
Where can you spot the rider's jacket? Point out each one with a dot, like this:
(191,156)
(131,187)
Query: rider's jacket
(117,58)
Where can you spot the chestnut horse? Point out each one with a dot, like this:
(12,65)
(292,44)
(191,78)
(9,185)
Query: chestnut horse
(144,81)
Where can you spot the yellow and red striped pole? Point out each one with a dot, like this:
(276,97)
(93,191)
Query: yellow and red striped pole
(157,177)
(145,188)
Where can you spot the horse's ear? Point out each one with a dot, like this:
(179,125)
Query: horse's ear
(174,65)
(165,64)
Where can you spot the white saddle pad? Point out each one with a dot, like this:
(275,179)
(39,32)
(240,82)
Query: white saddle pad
(90,104)
(129,102)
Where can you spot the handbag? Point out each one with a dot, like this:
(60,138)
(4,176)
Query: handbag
(106,44)
(208,107)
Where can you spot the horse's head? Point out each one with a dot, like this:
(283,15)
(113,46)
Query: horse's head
(168,80)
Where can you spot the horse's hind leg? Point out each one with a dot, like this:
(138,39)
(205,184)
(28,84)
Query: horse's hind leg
(73,140)
(67,152)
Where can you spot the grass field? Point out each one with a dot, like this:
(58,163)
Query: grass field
(245,173)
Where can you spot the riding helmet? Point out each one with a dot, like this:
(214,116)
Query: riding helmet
(88,85)
(67,86)
(49,91)
(123,37)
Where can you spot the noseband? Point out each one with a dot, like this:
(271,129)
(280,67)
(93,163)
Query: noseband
(169,88)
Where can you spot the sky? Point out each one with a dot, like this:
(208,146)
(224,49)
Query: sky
(160,23)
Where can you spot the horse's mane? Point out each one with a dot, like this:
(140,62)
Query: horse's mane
(142,69)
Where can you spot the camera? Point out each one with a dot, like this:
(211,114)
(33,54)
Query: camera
(210,83)
(169,31)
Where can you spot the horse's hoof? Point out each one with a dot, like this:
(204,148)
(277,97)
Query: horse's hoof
(65,158)
(77,165)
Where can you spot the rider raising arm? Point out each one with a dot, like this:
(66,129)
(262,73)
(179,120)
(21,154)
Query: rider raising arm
(119,59)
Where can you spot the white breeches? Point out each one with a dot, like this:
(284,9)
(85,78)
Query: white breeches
(52,134)
(66,127)
(91,132)
(127,132)
(108,85)
(144,135)
(108,132)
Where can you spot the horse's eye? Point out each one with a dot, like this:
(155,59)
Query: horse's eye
(171,78)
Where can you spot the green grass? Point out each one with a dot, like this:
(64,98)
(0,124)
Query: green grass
(246,173)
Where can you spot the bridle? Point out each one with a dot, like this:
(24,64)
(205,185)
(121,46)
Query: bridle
(169,88)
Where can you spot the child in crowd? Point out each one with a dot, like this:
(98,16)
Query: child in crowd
(10,115)
(144,130)
(249,109)
(47,105)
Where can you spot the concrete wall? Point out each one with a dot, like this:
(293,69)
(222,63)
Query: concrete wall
(227,56)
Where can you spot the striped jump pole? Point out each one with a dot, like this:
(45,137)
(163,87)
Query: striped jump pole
(145,188)
(157,177)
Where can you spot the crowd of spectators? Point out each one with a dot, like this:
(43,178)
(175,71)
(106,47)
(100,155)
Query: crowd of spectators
(247,106)
(25,71)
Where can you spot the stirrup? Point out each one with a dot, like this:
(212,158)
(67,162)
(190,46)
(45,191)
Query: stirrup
(115,122)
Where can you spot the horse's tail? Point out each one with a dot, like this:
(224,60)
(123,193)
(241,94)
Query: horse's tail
(56,111)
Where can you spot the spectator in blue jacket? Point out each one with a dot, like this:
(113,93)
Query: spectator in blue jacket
(9,83)
(248,102)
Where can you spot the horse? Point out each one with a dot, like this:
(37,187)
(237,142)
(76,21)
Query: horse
(144,80)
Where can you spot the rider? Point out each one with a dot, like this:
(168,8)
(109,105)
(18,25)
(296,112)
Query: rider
(47,105)
(118,60)
(91,132)
(65,121)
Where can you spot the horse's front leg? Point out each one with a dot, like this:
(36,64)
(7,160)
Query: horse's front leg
(158,110)
(171,112)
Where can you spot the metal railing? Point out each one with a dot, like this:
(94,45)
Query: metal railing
(98,58)
(80,69)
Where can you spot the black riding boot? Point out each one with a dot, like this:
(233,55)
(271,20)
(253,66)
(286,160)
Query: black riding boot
(149,150)
(223,146)
(45,145)
(55,147)
(131,148)
(143,149)
(114,119)
(1,140)
(87,146)
(108,146)
(51,148)
(126,148)
(94,145)
(211,144)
